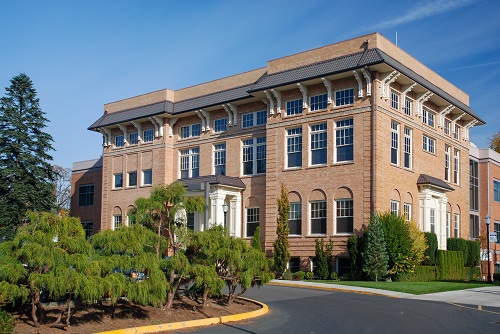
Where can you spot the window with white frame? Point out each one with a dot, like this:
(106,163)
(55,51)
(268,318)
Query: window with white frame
(394,143)
(118,180)
(318,102)
(474,227)
(294,147)
(394,100)
(117,221)
(254,118)
(133,138)
(432,219)
(407,211)
(428,117)
(408,107)
(86,195)
(318,144)
(220,159)
(448,225)
(496,190)
(474,185)
(88,227)
(132,179)
(188,131)
(254,156)
(447,126)
(344,140)
(456,167)
(148,135)
(447,158)
(147,177)
(456,225)
(344,219)
(407,149)
(252,221)
(395,207)
(318,217)
(119,141)
(190,220)
(190,162)
(456,132)
(428,144)
(496,229)
(294,107)
(130,219)
(220,125)
(295,218)
(344,97)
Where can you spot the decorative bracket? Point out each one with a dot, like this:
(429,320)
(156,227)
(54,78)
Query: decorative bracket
(328,85)
(123,128)
(139,130)
(203,121)
(206,114)
(271,102)
(107,136)
(406,89)
(360,83)
(303,89)
(277,95)
(368,79)
(171,124)
(234,110)
(467,128)
(229,114)
(159,121)
(385,78)
(443,112)
(421,98)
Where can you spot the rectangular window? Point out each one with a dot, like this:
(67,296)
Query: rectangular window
(133,138)
(147,177)
(407,211)
(318,217)
(428,117)
(190,162)
(254,156)
(407,148)
(294,107)
(496,191)
(294,147)
(220,125)
(456,167)
(474,185)
(318,144)
(130,220)
(446,127)
(447,157)
(474,227)
(254,118)
(344,140)
(394,100)
(117,221)
(118,180)
(456,225)
(344,217)
(188,131)
(448,223)
(220,159)
(88,227)
(394,143)
(408,106)
(252,221)
(132,179)
(86,195)
(496,229)
(395,207)
(148,136)
(432,215)
(428,144)
(119,141)
(344,97)
(295,218)
(456,132)
(319,102)
(190,220)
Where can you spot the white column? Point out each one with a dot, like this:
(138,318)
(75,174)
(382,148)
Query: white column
(216,213)
(235,216)
(442,222)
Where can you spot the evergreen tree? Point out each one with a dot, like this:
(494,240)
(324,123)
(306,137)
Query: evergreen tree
(281,244)
(26,175)
(256,240)
(323,258)
(375,259)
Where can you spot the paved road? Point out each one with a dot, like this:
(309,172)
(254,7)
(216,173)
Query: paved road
(300,310)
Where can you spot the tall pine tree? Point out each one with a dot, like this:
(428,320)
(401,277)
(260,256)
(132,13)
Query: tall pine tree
(281,245)
(26,175)
(375,258)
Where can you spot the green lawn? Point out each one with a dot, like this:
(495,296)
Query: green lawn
(416,288)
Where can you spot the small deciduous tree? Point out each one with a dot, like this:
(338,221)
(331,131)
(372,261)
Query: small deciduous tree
(375,259)
(495,142)
(281,244)
(62,188)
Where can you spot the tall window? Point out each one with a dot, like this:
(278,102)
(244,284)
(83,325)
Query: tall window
(395,207)
(220,159)
(118,180)
(190,163)
(474,227)
(193,130)
(496,229)
(220,125)
(190,220)
(394,100)
(407,211)
(428,117)
(456,225)
(408,106)
(344,217)
(394,143)
(446,126)
(318,217)
(117,221)
(295,218)
(294,147)
(448,223)
(119,141)
(148,135)
(132,179)
(254,118)
(133,138)
(130,220)
(252,221)
(294,107)
(456,167)
(344,140)
(474,185)
(496,191)
(254,156)
(428,144)
(447,157)
(433,220)
(344,97)
(407,148)
(319,102)
(86,195)
(318,144)
(147,177)
(456,132)
(88,227)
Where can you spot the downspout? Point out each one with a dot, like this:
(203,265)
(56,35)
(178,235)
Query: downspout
(373,97)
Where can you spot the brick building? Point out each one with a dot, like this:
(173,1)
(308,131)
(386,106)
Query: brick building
(350,128)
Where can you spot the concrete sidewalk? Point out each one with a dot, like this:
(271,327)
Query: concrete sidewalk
(486,296)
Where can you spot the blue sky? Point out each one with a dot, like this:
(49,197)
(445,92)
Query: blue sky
(83,54)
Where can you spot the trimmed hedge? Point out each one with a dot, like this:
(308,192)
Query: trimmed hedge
(431,251)
(472,273)
(470,248)
(450,265)
(421,274)
(458,244)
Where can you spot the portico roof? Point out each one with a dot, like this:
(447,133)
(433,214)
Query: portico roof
(223,180)
(425,179)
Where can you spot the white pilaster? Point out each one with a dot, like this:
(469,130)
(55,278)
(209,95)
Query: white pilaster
(217,214)
(235,207)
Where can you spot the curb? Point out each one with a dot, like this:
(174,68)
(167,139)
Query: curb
(193,323)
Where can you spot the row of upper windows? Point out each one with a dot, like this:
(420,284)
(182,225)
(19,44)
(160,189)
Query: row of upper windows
(133,138)
(131,181)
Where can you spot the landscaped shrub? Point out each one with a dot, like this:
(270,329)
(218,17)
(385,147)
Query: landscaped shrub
(458,244)
(288,275)
(309,275)
(473,253)
(399,245)
(6,322)
(496,277)
(430,253)
(323,258)
(450,265)
(334,276)
(472,273)
(299,275)
(420,274)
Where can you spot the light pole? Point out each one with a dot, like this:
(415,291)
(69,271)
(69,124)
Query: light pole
(224,208)
(487,221)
